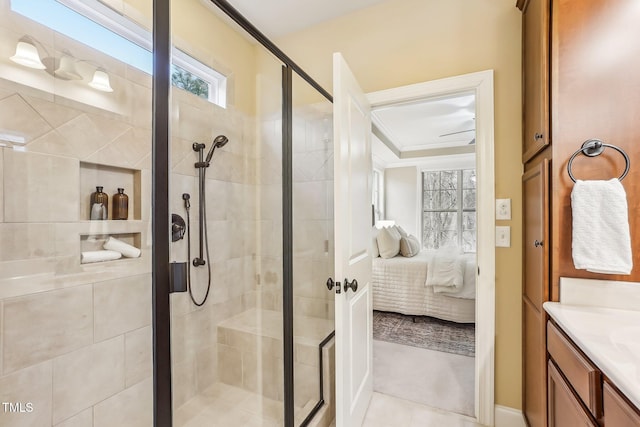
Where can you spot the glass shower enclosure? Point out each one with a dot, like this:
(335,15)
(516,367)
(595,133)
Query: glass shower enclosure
(205,304)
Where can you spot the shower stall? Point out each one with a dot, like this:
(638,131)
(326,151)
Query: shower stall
(229,323)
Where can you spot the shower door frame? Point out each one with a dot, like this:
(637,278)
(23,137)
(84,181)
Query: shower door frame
(161,320)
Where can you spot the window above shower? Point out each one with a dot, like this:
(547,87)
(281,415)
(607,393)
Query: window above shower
(97,25)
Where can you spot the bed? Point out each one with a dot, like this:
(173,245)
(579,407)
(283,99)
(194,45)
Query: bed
(399,286)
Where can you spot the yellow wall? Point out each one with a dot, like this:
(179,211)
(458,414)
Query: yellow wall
(401,42)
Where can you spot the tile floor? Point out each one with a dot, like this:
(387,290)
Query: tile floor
(388,411)
(223,405)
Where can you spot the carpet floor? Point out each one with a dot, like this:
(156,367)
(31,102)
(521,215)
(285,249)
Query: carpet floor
(431,378)
(426,332)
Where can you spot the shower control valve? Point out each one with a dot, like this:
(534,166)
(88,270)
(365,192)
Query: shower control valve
(197,262)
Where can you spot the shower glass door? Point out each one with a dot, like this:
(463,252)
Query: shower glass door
(313,257)
(75,259)
(226,161)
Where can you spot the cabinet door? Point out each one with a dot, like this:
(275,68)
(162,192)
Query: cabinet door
(617,411)
(565,408)
(533,365)
(535,70)
(535,193)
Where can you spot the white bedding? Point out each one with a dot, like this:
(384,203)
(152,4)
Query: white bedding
(399,286)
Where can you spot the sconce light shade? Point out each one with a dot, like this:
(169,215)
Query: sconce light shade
(27,55)
(101,81)
(67,68)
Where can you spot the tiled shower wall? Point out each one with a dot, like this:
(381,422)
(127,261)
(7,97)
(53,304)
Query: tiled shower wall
(75,339)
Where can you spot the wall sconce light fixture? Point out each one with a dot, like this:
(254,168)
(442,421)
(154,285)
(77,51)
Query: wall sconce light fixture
(27,54)
(65,68)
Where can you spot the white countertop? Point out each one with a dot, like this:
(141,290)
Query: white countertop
(610,337)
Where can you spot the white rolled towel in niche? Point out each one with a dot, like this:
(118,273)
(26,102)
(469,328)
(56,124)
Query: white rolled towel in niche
(125,249)
(87,257)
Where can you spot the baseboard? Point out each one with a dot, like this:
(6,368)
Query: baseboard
(508,417)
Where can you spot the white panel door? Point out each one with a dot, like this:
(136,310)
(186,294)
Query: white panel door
(352,213)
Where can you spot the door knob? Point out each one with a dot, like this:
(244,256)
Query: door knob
(537,136)
(537,244)
(353,285)
(331,284)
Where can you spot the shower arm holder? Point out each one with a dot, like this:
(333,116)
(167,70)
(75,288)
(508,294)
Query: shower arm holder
(200,165)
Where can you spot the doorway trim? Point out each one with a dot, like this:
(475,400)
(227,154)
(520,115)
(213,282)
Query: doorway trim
(481,84)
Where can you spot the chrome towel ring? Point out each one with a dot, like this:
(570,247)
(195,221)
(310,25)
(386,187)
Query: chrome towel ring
(592,148)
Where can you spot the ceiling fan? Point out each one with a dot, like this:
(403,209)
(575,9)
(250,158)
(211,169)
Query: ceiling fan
(473,141)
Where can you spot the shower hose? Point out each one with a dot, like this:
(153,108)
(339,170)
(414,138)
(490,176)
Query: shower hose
(206,243)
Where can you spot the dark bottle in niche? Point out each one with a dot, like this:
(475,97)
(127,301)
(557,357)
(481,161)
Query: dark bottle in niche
(120,205)
(99,204)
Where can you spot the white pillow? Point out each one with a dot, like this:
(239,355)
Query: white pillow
(409,246)
(401,231)
(375,252)
(388,242)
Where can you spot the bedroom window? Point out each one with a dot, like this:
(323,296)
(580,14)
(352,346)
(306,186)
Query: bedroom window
(449,209)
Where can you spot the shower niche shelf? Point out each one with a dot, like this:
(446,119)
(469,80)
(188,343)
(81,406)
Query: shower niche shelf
(95,242)
(110,178)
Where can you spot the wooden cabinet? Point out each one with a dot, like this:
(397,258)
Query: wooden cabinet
(584,377)
(577,85)
(565,409)
(618,411)
(535,77)
(535,290)
(577,392)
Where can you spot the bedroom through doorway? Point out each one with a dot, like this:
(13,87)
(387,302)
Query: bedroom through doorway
(424,235)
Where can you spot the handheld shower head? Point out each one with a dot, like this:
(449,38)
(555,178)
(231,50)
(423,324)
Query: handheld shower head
(218,141)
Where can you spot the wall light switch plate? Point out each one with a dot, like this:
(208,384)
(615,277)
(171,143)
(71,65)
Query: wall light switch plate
(503,236)
(503,208)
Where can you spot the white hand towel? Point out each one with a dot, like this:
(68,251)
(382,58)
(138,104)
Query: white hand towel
(601,241)
(87,257)
(125,249)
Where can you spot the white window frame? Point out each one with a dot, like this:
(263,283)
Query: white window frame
(460,210)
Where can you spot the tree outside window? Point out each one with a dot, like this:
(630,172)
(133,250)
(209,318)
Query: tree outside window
(449,209)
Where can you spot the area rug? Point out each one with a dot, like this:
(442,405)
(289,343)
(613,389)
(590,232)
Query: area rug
(426,332)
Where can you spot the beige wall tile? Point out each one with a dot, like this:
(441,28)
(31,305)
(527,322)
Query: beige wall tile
(32,385)
(43,326)
(40,188)
(138,355)
(86,377)
(263,374)
(306,383)
(183,381)
(132,407)
(54,113)
(121,305)
(206,367)
(83,419)
(26,241)
(230,365)
(19,119)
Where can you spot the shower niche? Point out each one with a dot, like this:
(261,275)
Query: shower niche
(110,178)
(95,233)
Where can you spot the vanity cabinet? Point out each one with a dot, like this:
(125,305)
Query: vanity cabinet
(578,394)
(565,408)
(618,411)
